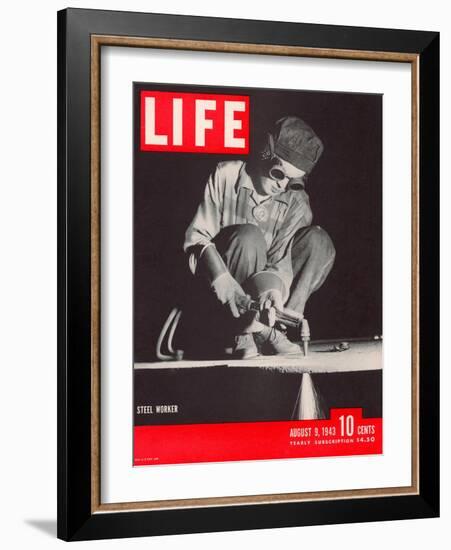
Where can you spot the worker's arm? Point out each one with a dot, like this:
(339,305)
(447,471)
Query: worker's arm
(204,260)
(228,291)
(206,222)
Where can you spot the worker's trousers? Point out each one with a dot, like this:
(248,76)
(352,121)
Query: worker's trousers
(243,249)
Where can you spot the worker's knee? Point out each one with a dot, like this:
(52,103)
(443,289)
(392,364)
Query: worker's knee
(315,238)
(250,236)
(245,236)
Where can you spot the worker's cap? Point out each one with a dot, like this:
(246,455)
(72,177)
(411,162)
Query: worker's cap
(294,141)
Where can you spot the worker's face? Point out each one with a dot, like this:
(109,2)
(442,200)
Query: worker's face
(276,176)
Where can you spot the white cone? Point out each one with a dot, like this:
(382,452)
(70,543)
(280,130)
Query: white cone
(309,407)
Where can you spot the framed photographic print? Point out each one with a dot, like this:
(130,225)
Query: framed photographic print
(248,274)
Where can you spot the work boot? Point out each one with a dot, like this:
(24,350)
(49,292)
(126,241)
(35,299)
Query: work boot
(243,347)
(271,341)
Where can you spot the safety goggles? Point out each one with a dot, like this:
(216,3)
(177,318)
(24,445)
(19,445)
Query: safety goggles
(276,172)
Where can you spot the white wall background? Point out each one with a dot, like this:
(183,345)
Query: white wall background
(28,271)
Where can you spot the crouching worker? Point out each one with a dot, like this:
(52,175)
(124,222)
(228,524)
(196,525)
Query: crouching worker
(251,237)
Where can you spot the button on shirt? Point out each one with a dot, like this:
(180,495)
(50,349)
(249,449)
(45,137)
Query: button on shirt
(230,199)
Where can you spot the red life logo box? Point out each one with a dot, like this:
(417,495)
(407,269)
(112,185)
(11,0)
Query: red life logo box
(194,123)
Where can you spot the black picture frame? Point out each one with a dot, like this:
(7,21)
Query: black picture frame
(78,517)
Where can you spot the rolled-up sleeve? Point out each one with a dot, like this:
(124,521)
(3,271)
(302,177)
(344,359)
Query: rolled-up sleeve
(206,222)
(279,254)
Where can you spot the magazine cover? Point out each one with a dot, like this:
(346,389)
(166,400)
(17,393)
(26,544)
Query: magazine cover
(257,274)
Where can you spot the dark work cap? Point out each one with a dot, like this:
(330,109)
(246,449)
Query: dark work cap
(295,142)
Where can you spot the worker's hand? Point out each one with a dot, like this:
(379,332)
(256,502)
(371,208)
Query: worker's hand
(271,298)
(230,293)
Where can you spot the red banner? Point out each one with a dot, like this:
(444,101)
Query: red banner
(194,123)
(345,433)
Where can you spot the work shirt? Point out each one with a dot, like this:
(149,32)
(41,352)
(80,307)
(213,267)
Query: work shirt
(230,198)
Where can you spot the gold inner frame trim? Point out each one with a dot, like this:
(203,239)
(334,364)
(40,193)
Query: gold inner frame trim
(97,41)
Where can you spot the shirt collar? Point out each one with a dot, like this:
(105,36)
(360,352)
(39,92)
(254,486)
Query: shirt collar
(244,180)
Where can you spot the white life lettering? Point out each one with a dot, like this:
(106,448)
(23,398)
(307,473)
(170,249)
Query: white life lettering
(151,137)
(177,121)
(231,124)
(203,123)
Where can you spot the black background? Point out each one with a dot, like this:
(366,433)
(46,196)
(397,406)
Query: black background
(345,190)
